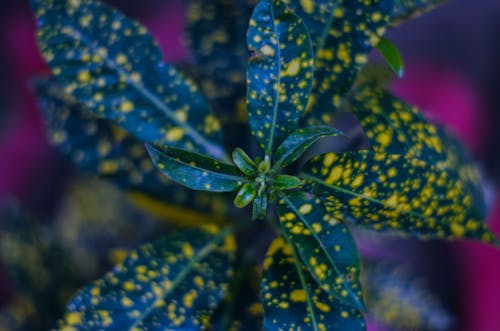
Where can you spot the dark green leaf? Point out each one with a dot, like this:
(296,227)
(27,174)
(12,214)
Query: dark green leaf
(244,162)
(113,66)
(350,31)
(280,73)
(259,210)
(392,192)
(408,9)
(286,182)
(325,245)
(394,127)
(242,308)
(245,195)
(98,147)
(400,300)
(299,141)
(196,171)
(293,301)
(391,55)
(174,283)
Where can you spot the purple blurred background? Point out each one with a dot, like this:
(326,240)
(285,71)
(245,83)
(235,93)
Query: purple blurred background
(451,72)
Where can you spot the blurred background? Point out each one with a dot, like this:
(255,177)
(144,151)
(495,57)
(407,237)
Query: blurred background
(451,72)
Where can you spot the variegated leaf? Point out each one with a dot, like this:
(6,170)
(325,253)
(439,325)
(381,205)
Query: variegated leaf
(325,245)
(174,283)
(394,127)
(393,192)
(113,66)
(280,73)
(293,301)
(98,147)
(341,49)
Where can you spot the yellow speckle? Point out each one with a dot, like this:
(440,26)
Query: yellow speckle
(187,250)
(328,160)
(126,302)
(298,296)
(322,306)
(293,67)
(305,209)
(283,305)
(121,59)
(358,180)
(108,167)
(344,314)
(74,318)
(376,17)
(189,298)
(457,230)
(84,76)
(175,134)
(316,227)
(198,281)
(127,106)
(307,6)
(267,50)
(128,286)
(335,175)
(384,139)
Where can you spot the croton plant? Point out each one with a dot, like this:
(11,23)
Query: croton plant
(247,117)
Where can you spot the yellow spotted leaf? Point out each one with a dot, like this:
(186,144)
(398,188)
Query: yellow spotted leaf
(113,66)
(175,283)
(393,192)
(280,73)
(293,301)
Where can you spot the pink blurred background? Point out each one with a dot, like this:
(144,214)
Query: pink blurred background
(451,72)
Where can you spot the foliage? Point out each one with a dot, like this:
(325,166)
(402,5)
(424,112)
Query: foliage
(118,111)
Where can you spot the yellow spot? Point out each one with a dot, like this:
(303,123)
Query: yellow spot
(127,106)
(305,209)
(392,201)
(316,227)
(376,17)
(328,160)
(335,175)
(121,59)
(338,12)
(357,181)
(344,314)
(187,250)
(128,286)
(267,50)
(74,318)
(293,67)
(457,230)
(322,306)
(198,281)
(384,139)
(298,296)
(307,6)
(126,302)
(68,328)
(283,305)
(84,76)
(108,167)
(189,298)
(175,134)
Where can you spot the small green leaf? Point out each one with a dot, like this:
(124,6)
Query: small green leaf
(259,210)
(198,172)
(395,193)
(350,29)
(286,182)
(244,162)
(391,55)
(246,195)
(412,306)
(408,9)
(293,301)
(325,245)
(113,66)
(264,165)
(176,282)
(280,72)
(299,141)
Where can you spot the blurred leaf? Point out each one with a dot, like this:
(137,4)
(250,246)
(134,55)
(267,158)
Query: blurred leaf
(398,300)
(196,171)
(293,300)
(325,246)
(299,141)
(408,9)
(391,55)
(392,192)
(97,146)
(114,67)
(242,309)
(280,73)
(345,32)
(153,288)
(394,127)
